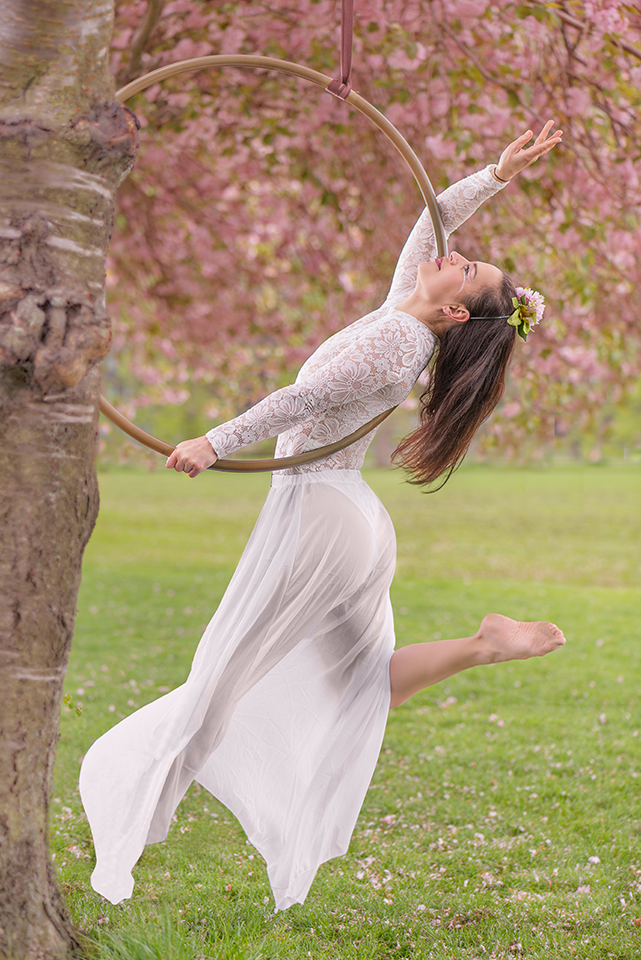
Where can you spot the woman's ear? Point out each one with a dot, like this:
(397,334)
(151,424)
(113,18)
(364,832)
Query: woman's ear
(457,312)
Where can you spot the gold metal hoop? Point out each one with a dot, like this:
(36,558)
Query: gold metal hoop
(406,152)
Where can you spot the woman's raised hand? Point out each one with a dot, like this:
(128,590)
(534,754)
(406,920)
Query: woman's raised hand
(192,456)
(517,156)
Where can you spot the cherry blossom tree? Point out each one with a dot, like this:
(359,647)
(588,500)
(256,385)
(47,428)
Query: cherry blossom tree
(65,144)
(263,215)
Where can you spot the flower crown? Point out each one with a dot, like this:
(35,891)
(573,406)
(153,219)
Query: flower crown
(529,306)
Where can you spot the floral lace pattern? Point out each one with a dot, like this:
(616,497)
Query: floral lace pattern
(362,370)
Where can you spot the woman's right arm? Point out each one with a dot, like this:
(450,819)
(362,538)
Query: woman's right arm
(383,356)
(276,413)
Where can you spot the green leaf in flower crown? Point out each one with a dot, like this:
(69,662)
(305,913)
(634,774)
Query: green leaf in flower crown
(515,319)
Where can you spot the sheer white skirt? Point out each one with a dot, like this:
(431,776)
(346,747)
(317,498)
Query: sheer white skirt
(283,713)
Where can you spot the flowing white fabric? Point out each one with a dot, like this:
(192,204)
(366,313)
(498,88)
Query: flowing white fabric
(283,713)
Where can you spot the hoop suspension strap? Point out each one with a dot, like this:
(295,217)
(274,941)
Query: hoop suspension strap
(341,87)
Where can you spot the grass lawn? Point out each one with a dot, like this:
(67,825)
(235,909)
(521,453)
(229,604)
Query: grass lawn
(504,818)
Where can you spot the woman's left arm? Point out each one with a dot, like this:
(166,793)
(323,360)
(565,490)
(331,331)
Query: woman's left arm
(460,201)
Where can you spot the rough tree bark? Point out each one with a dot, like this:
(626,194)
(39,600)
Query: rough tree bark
(64,146)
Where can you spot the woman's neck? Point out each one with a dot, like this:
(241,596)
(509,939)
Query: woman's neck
(416,306)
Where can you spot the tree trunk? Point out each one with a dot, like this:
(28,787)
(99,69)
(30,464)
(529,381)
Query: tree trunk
(64,146)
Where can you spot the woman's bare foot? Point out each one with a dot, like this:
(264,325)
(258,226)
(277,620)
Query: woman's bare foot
(504,639)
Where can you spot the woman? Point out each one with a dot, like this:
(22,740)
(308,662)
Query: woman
(284,710)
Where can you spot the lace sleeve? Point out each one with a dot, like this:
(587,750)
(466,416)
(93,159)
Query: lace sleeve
(387,354)
(457,203)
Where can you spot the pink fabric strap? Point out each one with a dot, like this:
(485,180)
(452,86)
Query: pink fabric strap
(341,87)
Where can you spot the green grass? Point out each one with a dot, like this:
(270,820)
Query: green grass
(495,791)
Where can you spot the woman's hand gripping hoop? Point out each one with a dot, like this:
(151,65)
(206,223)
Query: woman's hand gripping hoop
(192,457)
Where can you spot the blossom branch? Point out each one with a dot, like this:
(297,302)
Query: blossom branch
(139,41)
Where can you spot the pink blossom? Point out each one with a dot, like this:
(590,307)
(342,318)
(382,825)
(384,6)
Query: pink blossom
(262,215)
(534,301)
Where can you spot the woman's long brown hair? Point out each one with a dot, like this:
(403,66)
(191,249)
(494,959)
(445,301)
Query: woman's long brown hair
(466,382)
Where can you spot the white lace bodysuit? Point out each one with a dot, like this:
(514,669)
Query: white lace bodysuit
(362,370)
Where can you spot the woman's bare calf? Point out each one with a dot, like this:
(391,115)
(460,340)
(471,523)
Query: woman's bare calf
(498,639)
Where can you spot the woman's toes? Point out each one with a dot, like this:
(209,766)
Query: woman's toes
(555,635)
(544,637)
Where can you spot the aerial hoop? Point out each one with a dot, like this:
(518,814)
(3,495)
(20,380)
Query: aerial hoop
(403,148)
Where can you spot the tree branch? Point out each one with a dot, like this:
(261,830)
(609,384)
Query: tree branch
(139,40)
(509,88)
(582,25)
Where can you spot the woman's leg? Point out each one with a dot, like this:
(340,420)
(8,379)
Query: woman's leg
(498,639)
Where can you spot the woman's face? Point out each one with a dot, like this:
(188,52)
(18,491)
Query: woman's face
(447,281)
